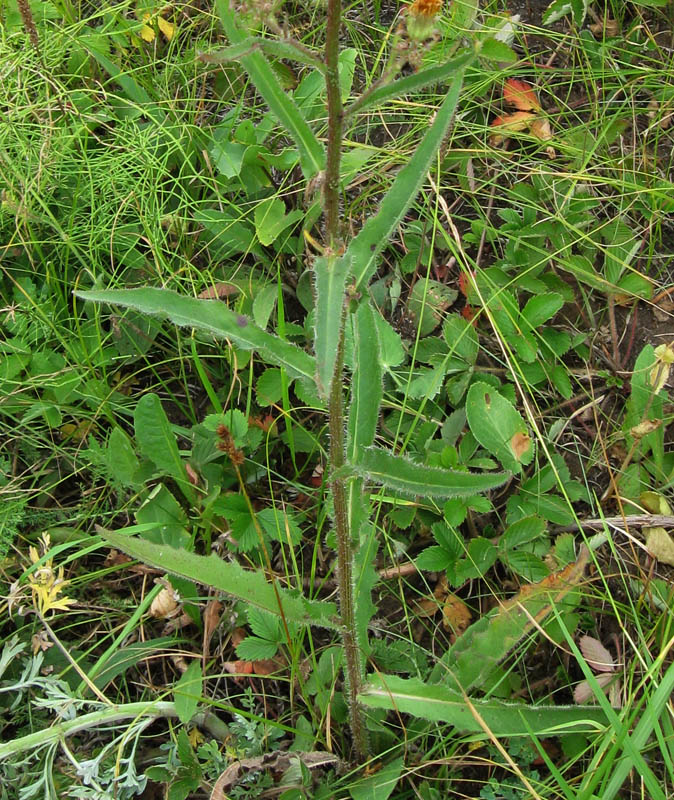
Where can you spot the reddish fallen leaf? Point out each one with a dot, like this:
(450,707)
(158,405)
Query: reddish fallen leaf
(510,123)
(468,313)
(521,95)
(267,666)
(192,474)
(264,423)
(465,281)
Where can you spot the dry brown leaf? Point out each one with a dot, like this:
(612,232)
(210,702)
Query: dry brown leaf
(606,28)
(540,128)
(456,615)
(212,614)
(645,427)
(267,666)
(277,762)
(596,655)
(218,291)
(165,604)
(520,444)
(426,607)
(521,95)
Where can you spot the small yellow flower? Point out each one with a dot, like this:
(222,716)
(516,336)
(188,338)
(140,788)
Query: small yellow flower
(45,583)
(166,27)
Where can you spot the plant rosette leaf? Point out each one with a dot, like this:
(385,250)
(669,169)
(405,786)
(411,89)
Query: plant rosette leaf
(498,427)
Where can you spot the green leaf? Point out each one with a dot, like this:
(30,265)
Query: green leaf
(522,532)
(380,785)
(329,279)
(361,255)
(411,83)
(559,377)
(397,472)
(269,387)
(166,516)
(252,648)
(461,337)
(427,302)
(127,657)
(312,155)
(427,383)
(434,559)
(366,383)
(227,576)
(271,219)
(228,157)
(229,233)
(122,461)
(133,90)
(527,565)
(440,704)
(263,305)
(541,308)
(497,50)
(214,317)
(392,350)
(157,442)
(347,67)
(187,691)
(498,426)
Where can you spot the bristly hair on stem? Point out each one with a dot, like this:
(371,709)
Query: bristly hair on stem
(353,662)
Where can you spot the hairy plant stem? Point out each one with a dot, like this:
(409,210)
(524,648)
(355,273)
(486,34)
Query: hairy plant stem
(352,660)
(345,583)
(335,122)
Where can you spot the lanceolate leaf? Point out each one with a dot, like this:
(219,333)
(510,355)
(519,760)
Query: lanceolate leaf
(397,472)
(366,384)
(212,316)
(312,155)
(411,83)
(440,704)
(227,576)
(330,278)
(362,253)
(276,47)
